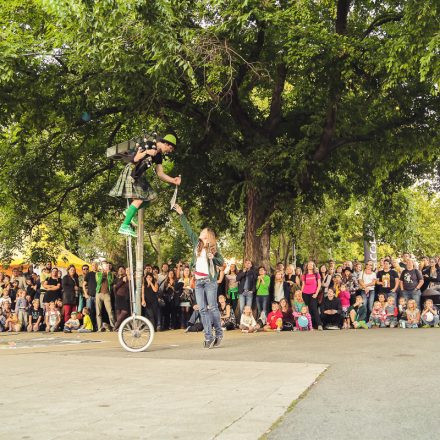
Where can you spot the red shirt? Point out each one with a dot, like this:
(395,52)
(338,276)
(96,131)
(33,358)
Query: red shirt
(272,318)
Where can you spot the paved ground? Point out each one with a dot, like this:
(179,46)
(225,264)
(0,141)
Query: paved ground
(379,384)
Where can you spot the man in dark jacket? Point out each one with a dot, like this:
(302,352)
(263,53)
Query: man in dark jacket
(331,312)
(247,280)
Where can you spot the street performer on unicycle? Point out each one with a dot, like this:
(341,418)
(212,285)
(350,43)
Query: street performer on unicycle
(132,183)
(136,332)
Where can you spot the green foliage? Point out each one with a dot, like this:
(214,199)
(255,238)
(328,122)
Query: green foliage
(297,99)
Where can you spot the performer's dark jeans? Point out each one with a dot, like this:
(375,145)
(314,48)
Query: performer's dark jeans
(312,304)
(335,319)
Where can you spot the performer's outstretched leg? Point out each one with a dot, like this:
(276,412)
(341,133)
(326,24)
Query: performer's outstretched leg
(130,213)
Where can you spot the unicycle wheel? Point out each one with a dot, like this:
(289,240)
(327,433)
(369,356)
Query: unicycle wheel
(136,333)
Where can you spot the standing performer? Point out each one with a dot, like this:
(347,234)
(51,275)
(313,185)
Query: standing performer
(205,260)
(133,185)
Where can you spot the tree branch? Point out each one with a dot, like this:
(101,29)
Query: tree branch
(68,190)
(379,21)
(276,103)
(343,7)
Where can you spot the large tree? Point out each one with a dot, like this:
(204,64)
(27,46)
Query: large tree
(276,102)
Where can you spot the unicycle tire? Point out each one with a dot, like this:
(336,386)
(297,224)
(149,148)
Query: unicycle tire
(136,333)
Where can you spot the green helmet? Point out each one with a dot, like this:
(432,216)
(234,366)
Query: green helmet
(170,139)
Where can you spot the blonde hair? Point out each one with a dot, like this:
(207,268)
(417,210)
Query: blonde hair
(297,296)
(411,301)
(211,244)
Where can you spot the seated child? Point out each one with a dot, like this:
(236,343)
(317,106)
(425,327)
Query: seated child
(59,307)
(72,323)
(401,310)
(377,316)
(298,301)
(430,316)
(53,318)
(227,316)
(303,320)
(331,310)
(274,318)
(87,325)
(382,299)
(5,298)
(412,315)
(345,298)
(12,323)
(391,313)
(358,313)
(5,312)
(35,317)
(247,321)
(288,318)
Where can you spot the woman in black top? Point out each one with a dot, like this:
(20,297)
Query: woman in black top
(52,285)
(150,299)
(70,291)
(171,296)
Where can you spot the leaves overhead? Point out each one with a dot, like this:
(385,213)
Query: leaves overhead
(294,98)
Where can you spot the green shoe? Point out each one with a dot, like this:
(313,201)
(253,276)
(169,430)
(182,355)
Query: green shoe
(134,221)
(127,230)
(363,325)
(426,326)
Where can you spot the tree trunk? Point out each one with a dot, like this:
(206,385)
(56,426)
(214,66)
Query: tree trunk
(257,236)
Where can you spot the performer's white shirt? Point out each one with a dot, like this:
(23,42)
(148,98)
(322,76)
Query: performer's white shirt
(202,263)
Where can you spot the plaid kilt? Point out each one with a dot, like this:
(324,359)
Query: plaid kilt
(128,188)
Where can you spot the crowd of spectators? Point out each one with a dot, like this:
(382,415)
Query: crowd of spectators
(399,292)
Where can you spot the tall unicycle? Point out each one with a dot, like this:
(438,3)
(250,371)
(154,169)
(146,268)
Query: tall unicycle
(136,333)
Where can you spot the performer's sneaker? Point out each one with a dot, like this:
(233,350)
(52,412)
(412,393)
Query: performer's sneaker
(127,230)
(209,343)
(217,342)
(134,221)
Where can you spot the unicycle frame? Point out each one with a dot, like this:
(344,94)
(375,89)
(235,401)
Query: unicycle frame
(134,318)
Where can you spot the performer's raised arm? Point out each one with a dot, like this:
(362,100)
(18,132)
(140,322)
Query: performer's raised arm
(206,259)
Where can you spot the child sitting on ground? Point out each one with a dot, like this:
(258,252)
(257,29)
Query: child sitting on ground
(298,301)
(401,310)
(430,316)
(377,316)
(412,315)
(87,325)
(12,323)
(382,299)
(391,313)
(358,313)
(303,320)
(53,318)
(5,312)
(5,298)
(72,324)
(274,319)
(35,317)
(247,321)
